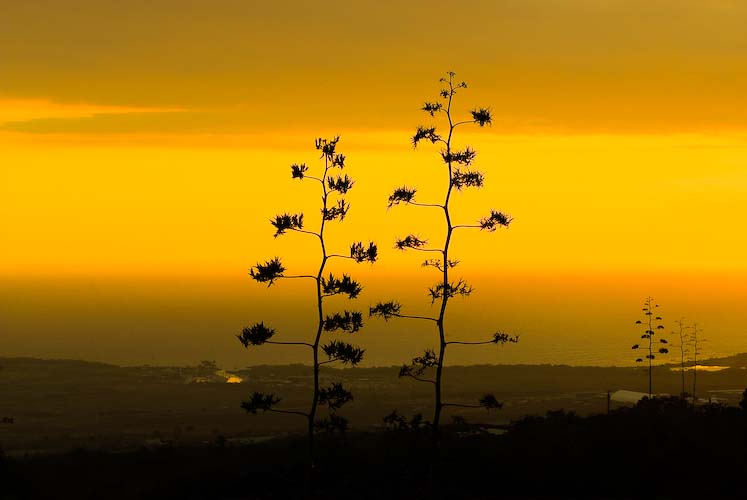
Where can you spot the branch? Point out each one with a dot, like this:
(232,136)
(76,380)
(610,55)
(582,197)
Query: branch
(417,204)
(306,232)
(329,361)
(428,250)
(289,412)
(290,343)
(419,379)
(498,338)
(315,178)
(300,276)
(392,309)
(407,316)
(470,343)
(463,122)
(494,220)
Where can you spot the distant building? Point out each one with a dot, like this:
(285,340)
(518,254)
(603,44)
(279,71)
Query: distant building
(631,397)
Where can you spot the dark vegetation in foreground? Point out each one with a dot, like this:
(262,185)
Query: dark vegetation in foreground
(58,406)
(660,448)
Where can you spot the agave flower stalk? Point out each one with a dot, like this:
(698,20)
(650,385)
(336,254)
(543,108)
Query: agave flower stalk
(334,207)
(461,175)
(652,324)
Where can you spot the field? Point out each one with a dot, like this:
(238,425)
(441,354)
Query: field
(58,406)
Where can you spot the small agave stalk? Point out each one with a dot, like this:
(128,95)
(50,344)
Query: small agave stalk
(334,207)
(695,342)
(684,338)
(652,323)
(461,175)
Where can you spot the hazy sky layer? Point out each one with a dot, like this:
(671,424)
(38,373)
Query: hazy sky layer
(238,65)
(149,141)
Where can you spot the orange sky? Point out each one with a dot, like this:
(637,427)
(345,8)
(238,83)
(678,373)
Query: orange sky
(153,139)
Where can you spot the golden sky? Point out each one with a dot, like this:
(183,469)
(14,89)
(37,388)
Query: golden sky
(153,138)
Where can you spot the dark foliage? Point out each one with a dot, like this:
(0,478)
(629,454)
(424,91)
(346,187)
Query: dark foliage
(495,220)
(489,402)
(450,290)
(298,171)
(345,285)
(285,222)
(438,263)
(338,211)
(256,334)
(419,364)
(347,321)
(556,455)
(341,184)
(267,272)
(409,241)
(335,396)
(359,253)
(425,133)
(260,401)
(432,108)
(398,422)
(504,338)
(482,116)
(342,351)
(331,423)
(467,178)
(463,157)
(402,195)
(385,310)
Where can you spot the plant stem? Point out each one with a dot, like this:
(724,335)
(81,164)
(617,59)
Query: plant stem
(445,298)
(320,309)
(650,346)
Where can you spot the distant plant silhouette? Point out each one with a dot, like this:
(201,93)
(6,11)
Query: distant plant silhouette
(695,342)
(335,396)
(681,332)
(651,323)
(461,175)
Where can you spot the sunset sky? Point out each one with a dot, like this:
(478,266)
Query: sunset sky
(145,144)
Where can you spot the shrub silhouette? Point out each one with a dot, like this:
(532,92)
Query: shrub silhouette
(461,176)
(652,324)
(335,396)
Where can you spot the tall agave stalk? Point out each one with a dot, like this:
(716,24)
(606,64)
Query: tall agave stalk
(457,163)
(325,285)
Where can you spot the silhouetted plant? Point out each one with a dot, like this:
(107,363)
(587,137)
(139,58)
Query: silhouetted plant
(335,396)
(461,175)
(681,332)
(397,421)
(652,324)
(695,342)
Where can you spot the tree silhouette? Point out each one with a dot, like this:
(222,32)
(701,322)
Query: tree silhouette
(461,175)
(651,323)
(335,396)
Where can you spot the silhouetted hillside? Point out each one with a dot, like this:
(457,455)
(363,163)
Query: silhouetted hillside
(60,405)
(658,449)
